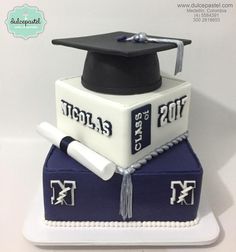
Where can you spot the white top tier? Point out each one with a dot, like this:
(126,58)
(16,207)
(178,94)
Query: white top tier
(123,128)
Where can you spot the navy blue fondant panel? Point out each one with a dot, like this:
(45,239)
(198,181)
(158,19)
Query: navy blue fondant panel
(140,128)
(167,188)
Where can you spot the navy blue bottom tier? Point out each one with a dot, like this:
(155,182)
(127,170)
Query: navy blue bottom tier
(167,188)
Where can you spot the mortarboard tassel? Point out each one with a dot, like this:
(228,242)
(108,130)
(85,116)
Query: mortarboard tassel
(126,193)
(143,38)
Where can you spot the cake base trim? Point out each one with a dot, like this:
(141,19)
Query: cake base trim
(123,224)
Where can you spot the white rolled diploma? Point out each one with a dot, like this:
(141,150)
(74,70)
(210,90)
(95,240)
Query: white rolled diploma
(95,162)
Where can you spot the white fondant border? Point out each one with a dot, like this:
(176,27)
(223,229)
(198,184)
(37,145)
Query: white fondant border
(122,224)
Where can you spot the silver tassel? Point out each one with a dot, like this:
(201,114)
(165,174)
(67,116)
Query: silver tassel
(179,57)
(126,193)
(180,51)
(143,38)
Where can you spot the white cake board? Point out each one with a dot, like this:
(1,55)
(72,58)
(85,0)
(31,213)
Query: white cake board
(34,230)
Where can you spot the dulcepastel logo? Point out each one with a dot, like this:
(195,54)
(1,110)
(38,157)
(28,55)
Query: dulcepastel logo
(25,21)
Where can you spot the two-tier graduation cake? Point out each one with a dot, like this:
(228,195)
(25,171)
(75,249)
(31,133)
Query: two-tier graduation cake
(120,150)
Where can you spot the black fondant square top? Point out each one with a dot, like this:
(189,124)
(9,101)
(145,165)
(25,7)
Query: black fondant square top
(108,44)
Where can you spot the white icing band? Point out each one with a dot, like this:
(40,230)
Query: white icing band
(122,224)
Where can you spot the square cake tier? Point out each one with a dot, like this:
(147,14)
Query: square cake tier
(167,188)
(123,128)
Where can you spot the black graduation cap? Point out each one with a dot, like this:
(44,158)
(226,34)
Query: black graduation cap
(117,67)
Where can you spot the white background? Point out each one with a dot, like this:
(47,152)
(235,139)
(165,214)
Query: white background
(29,68)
